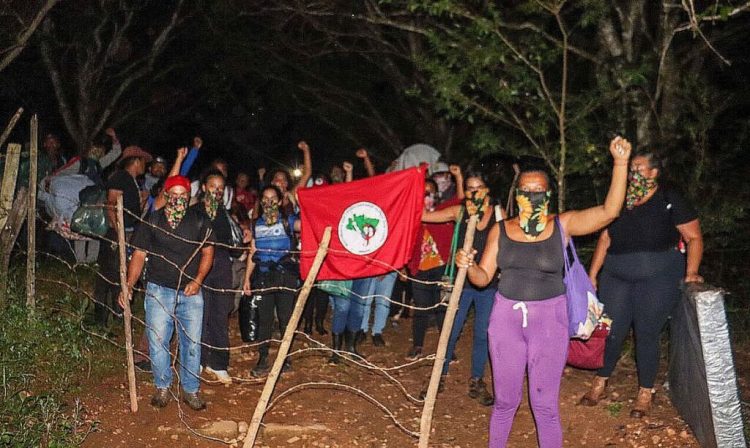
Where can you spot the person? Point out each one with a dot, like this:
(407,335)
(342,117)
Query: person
(639,269)
(218,304)
(477,202)
(427,265)
(122,183)
(221,166)
(244,195)
(157,170)
(449,182)
(276,278)
(182,167)
(283,181)
(528,326)
(179,243)
(347,319)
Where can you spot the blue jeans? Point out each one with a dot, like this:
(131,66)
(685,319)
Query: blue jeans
(482,300)
(163,305)
(347,314)
(380,290)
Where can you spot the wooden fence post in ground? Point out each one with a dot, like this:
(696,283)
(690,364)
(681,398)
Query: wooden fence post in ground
(8,209)
(31,217)
(425,424)
(127,314)
(11,124)
(286,342)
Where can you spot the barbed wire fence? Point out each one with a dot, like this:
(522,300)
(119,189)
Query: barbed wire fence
(265,403)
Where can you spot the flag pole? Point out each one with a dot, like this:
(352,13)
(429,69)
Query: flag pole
(286,341)
(425,424)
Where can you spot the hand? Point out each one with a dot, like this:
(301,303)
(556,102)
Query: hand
(348,167)
(182,153)
(362,153)
(465,260)
(402,275)
(197,142)
(261,173)
(693,278)
(111,133)
(594,282)
(192,288)
(620,149)
(246,289)
(303,146)
(247,235)
(122,301)
(456,171)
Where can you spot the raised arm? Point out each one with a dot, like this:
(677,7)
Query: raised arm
(348,171)
(583,222)
(160,200)
(481,275)
(307,164)
(114,153)
(447,214)
(369,167)
(597,260)
(192,155)
(455,170)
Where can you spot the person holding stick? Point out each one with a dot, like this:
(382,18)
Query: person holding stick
(529,321)
(179,244)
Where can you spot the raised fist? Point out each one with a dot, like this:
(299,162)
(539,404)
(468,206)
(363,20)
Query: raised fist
(362,153)
(197,142)
(303,146)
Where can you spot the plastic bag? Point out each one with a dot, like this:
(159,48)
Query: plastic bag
(90,218)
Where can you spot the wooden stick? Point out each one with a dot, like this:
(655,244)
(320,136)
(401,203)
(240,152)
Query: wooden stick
(11,124)
(509,205)
(8,235)
(8,189)
(425,423)
(31,217)
(127,313)
(286,342)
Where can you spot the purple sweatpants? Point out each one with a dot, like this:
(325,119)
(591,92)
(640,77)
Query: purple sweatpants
(531,335)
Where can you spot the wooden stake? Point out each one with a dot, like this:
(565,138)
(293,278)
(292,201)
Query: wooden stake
(8,235)
(31,217)
(8,189)
(425,424)
(11,124)
(127,315)
(286,342)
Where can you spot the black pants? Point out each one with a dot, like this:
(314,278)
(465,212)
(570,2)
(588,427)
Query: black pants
(639,290)
(215,336)
(316,308)
(402,294)
(282,301)
(107,289)
(426,296)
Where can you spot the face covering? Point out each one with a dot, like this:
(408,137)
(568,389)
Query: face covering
(533,208)
(443,182)
(475,202)
(271,212)
(429,202)
(175,210)
(638,187)
(212,200)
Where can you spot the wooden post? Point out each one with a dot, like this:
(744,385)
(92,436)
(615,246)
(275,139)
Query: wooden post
(8,235)
(286,342)
(127,314)
(11,124)
(425,424)
(8,189)
(31,217)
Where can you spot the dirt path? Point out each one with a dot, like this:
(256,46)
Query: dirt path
(349,420)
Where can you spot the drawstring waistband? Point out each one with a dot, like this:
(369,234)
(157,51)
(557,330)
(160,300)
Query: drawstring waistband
(525,312)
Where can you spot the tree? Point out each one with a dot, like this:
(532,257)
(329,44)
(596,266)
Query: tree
(99,53)
(18,22)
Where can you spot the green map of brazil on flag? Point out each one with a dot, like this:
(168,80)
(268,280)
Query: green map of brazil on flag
(374,224)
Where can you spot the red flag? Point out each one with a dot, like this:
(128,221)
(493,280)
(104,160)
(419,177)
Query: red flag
(374,224)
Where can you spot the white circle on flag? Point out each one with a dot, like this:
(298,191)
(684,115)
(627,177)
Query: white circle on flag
(363,228)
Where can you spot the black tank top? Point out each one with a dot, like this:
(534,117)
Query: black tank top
(531,271)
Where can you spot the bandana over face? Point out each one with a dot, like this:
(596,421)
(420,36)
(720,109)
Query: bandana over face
(475,202)
(270,211)
(533,208)
(175,209)
(212,200)
(638,187)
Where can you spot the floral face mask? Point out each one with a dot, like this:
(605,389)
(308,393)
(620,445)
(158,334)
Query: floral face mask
(638,187)
(476,203)
(212,200)
(270,211)
(175,209)
(533,208)
(429,201)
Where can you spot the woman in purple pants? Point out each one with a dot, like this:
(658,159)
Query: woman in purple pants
(529,322)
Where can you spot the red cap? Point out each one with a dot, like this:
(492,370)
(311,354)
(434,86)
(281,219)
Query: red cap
(175,181)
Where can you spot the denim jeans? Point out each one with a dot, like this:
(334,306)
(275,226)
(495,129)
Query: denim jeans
(380,292)
(482,300)
(347,314)
(163,305)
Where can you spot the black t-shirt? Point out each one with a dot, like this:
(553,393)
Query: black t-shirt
(160,241)
(131,195)
(651,226)
(220,275)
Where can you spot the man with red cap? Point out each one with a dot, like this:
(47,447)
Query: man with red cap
(179,244)
(122,183)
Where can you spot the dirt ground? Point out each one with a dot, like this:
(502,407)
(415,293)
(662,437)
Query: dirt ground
(330,416)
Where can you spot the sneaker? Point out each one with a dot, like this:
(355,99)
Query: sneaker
(221,375)
(377,340)
(478,390)
(160,398)
(195,402)
(144,366)
(414,354)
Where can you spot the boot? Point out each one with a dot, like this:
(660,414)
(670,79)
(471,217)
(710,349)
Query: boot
(338,342)
(308,327)
(478,390)
(596,393)
(351,341)
(319,327)
(642,403)
(261,369)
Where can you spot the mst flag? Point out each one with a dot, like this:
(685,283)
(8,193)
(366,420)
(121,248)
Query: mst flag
(374,224)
